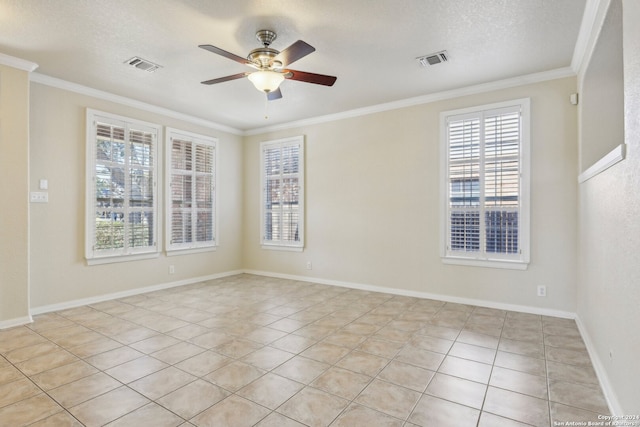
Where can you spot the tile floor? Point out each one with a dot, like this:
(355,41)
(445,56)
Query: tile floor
(255,351)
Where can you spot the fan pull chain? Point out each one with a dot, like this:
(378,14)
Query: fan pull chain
(266,107)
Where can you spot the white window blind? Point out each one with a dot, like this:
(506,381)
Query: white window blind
(485,183)
(282,171)
(191,191)
(122,207)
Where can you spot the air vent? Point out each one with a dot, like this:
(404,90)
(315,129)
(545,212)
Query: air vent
(433,58)
(142,64)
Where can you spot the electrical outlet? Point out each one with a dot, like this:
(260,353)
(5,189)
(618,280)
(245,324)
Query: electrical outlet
(542,291)
(172,269)
(309,265)
(39,197)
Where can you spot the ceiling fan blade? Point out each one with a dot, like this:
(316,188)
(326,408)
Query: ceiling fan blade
(303,76)
(224,79)
(224,53)
(276,94)
(294,52)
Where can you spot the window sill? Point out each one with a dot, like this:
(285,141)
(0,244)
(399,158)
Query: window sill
(283,248)
(120,258)
(189,251)
(503,264)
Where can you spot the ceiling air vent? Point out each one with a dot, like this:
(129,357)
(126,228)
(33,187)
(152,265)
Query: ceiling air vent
(433,58)
(142,64)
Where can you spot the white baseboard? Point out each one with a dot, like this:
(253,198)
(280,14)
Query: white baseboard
(107,297)
(18,321)
(425,295)
(609,394)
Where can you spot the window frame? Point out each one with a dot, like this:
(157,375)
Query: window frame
(191,247)
(286,245)
(482,258)
(92,256)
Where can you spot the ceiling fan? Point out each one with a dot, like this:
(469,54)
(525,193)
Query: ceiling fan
(271,65)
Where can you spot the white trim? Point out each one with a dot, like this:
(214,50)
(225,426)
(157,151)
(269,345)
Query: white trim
(417,294)
(488,263)
(95,93)
(558,73)
(18,321)
(123,294)
(616,155)
(190,251)
(20,64)
(609,393)
(587,28)
(282,248)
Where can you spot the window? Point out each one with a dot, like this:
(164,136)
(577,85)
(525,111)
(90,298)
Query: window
(282,172)
(191,192)
(122,202)
(485,185)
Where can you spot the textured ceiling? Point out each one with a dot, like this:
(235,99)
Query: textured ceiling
(370,45)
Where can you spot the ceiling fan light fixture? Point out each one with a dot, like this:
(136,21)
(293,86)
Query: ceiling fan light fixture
(266,81)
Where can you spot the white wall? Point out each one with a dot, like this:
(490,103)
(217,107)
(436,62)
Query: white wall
(372,203)
(59,273)
(609,235)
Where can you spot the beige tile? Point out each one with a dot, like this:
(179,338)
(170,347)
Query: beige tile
(524,348)
(237,348)
(61,419)
(154,343)
(520,382)
(571,331)
(517,362)
(188,332)
(521,334)
(193,398)
(423,358)
(158,384)
(29,410)
(18,337)
(561,414)
(134,334)
(572,373)
(489,420)
(265,335)
(388,398)
(150,415)
(341,382)
(46,361)
(360,416)
(326,353)
(203,363)
(267,358)
(313,407)
(431,411)
(457,390)
(293,343)
(440,332)
(362,328)
(480,340)
(345,339)
(363,363)
(9,374)
(234,411)
(234,376)
(569,357)
(406,375)
(276,420)
(114,357)
(438,345)
(135,369)
(108,407)
(379,347)
(63,375)
(467,369)
(98,346)
(75,340)
(84,389)
(67,331)
(16,391)
(177,353)
(301,369)
(270,390)
(211,339)
(393,334)
(494,331)
(516,406)
(583,396)
(287,325)
(473,352)
(29,352)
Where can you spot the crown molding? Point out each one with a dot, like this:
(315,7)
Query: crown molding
(425,99)
(20,64)
(593,19)
(123,100)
